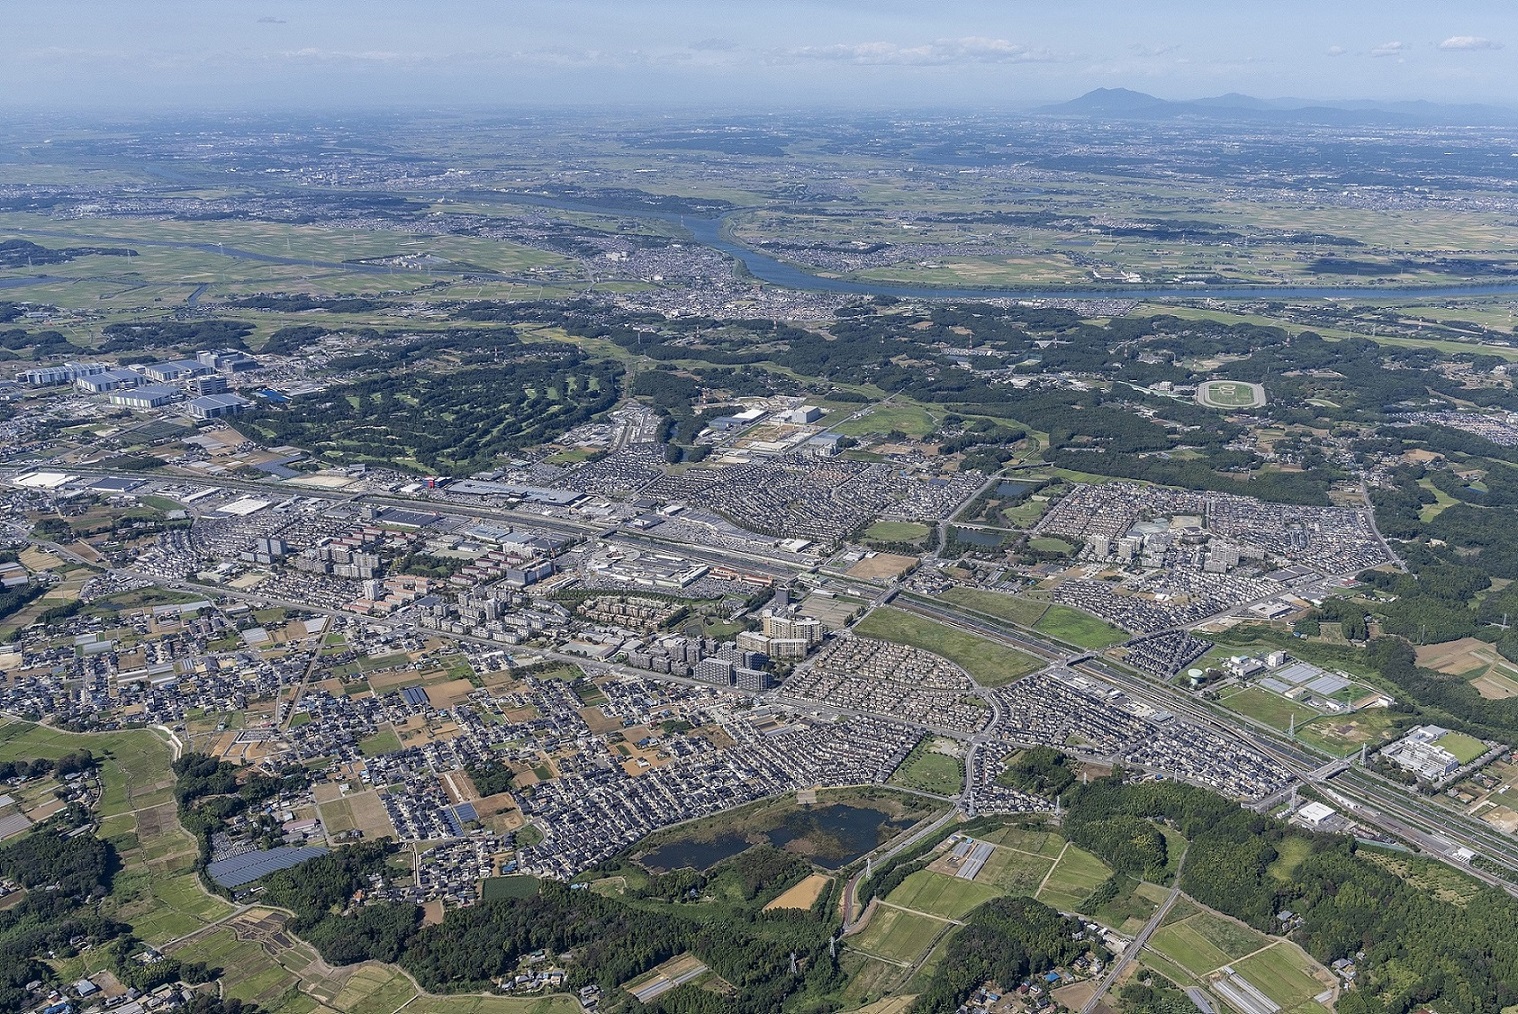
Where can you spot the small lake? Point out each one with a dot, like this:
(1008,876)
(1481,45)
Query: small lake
(829,836)
(1012,489)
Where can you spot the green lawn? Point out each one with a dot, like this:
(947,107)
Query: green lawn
(1046,544)
(896,531)
(1465,748)
(988,663)
(1079,628)
(383,741)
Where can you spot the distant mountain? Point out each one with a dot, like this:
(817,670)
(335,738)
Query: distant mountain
(1126,104)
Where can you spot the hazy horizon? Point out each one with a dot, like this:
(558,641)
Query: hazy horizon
(685,55)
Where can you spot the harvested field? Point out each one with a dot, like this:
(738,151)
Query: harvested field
(803,895)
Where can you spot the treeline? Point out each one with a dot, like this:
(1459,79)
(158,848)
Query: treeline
(300,302)
(1005,940)
(610,940)
(68,764)
(197,334)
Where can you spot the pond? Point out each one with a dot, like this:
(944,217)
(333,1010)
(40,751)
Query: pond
(978,537)
(830,836)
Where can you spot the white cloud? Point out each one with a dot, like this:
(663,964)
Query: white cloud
(1389,49)
(1468,42)
(972,49)
(1337,50)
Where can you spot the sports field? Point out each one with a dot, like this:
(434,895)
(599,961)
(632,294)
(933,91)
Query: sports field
(1230,394)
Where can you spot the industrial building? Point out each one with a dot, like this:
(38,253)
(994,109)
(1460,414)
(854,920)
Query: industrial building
(215,406)
(179,369)
(149,396)
(51,376)
(108,381)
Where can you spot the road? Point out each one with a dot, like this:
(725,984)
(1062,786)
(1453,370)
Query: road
(851,889)
(1393,811)
(1132,952)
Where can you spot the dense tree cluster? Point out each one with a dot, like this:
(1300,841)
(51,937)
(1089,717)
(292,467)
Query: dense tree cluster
(186,335)
(1040,769)
(1004,940)
(64,876)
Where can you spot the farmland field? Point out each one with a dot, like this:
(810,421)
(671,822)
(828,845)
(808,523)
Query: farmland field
(941,895)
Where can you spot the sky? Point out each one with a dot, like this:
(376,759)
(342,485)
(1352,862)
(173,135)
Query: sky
(85,55)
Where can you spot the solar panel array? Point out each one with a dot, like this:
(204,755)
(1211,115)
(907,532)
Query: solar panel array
(248,867)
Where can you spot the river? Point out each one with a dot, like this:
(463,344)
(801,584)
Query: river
(709,232)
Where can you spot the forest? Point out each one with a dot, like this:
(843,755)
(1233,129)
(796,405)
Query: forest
(64,876)
(1419,947)
(1005,940)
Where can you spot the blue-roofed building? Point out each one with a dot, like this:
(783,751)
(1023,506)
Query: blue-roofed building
(414,696)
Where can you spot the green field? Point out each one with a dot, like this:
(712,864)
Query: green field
(497,888)
(1046,544)
(941,895)
(988,663)
(383,741)
(896,531)
(1465,748)
(882,419)
(1283,973)
(1012,608)
(898,936)
(927,769)
(136,769)
(1269,708)
(1072,880)
(1201,941)
(1228,394)
(1078,628)
(1015,872)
